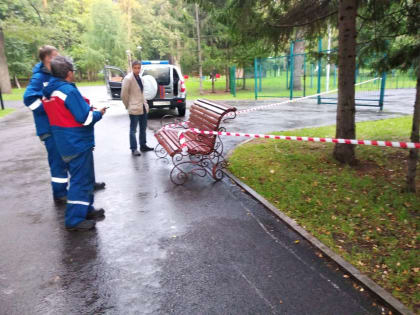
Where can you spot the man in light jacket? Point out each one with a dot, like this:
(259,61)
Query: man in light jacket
(134,101)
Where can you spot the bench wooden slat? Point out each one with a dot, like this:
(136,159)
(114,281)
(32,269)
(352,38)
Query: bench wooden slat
(173,135)
(199,111)
(173,141)
(208,140)
(194,144)
(167,143)
(219,105)
(196,122)
(211,108)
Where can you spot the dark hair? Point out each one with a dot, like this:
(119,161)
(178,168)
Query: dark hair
(60,66)
(135,63)
(45,51)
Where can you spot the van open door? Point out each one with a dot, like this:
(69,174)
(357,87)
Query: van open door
(113,80)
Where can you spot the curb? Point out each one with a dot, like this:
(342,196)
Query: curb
(377,290)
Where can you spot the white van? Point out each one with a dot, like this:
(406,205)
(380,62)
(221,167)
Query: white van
(171,92)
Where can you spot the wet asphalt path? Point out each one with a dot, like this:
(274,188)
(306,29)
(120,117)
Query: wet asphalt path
(202,248)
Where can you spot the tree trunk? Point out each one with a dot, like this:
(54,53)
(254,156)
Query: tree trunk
(346,110)
(5,85)
(17,82)
(243,79)
(227,79)
(413,155)
(177,57)
(200,64)
(212,82)
(299,48)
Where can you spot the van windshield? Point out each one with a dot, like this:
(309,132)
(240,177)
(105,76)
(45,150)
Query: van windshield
(161,74)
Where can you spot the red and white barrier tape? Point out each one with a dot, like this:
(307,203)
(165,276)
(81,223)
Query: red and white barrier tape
(379,143)
(182,123)
(185,123)
(182,141)
(294,100)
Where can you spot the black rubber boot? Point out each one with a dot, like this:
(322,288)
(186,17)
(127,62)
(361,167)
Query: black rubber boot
(99,186)
(83,226)
(95,214)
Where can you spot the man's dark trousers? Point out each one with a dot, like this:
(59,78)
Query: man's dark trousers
(80,194)
(140,120)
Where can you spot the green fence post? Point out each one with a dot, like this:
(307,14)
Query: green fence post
(304,75)
(255,78)
(260,75)
(233,80)
(287,71)
(312,75)
(292,65)
(356,73)
(382,93)
(318,90)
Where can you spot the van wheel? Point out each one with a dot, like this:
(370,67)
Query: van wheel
(181,110)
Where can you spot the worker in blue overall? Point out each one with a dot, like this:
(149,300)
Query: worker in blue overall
(72,124)
(32,99)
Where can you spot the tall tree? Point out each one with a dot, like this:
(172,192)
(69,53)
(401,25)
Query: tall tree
(5,86)
(413,156)
(346,110)
(298,51)
(392,29)
(200,64)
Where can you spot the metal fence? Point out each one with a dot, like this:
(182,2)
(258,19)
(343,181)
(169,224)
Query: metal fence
(298,75)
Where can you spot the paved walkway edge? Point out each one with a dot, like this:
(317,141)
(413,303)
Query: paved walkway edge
(380,292)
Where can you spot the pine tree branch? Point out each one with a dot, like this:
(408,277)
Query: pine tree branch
(383,36)
(37,12)
(303,24)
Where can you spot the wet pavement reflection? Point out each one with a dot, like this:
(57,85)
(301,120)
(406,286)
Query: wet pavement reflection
(201,248)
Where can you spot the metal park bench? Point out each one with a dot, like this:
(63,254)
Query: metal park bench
(194,153)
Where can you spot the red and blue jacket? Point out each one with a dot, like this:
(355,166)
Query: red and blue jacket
(33,95)
(70,116)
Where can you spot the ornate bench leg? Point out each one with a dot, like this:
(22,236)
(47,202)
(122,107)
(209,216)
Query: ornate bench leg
(199,165)
(160,151)
(219,163)
(217,172)
(177,175)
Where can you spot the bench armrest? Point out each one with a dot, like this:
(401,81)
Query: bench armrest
(175,120)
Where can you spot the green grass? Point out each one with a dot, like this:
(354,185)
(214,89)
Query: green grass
(193,90)
(91,83)
(271,87)
(277,87)
(6,111)
(359,212)
(16,95)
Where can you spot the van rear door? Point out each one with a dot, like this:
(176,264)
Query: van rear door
(113,80)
